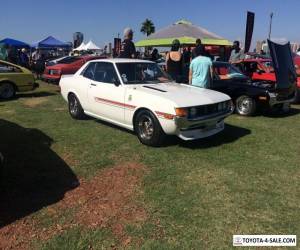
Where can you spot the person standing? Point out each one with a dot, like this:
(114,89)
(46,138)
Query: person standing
(236,53)
(24,60)
(174,61)
(201,72)
(198,44)
(127,46)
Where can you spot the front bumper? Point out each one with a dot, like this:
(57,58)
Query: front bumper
(191,129)
(51,78)
(274,100)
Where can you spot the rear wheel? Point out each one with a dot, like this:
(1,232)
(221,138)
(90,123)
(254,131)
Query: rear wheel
(7,90)
(297,96)
(75,109)
(245,105)
(148,129)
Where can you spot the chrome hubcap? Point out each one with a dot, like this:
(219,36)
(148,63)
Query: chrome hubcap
(245,105)
(145,126)
(73,105)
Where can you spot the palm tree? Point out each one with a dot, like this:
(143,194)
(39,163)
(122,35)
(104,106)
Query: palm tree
(147,27)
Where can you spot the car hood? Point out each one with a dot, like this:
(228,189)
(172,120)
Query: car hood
(58,66)
(283,64)
(183,95)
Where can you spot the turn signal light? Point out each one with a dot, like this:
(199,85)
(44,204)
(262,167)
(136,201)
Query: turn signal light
(263,98)
(181,112)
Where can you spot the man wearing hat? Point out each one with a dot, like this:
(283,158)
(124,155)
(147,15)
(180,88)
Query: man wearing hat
(127,46)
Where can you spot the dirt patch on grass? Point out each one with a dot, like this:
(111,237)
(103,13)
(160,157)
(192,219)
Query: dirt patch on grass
(106,201)
(33,102)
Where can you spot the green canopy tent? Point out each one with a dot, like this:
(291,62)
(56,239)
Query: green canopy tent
(186,33)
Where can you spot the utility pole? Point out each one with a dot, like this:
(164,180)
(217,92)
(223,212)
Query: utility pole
(270,27)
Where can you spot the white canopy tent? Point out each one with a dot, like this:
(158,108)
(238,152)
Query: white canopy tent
(91,46)
(80,47)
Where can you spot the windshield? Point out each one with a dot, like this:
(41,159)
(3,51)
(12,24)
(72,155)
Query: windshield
(68,60)
(141,73)
(227,71)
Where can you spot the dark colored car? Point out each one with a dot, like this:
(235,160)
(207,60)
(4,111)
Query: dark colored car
(259,69)
(248,95)
(66,66)
(1,164)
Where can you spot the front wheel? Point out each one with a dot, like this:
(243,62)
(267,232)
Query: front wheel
(75,109)
(148,129)
(7,91)
(245,105)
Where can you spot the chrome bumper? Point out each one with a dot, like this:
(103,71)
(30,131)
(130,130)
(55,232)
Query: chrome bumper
(202,122)
(273,99)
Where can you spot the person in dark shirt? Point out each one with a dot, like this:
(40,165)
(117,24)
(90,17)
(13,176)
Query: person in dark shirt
(198,47)
(174,61)
(127,46)
(154,55)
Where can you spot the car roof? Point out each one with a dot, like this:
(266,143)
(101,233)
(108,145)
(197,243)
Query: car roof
(121,60)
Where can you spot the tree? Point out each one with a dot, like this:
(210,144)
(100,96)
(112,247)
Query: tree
(147,27)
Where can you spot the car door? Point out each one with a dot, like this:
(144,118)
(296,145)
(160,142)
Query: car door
(106,94)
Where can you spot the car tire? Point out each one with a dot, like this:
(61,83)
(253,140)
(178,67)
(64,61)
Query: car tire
(7,91)
(75,108)
(148,129)
(297,96)
(245,105)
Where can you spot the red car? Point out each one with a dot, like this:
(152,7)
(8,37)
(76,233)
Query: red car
(262,69)
(66,66)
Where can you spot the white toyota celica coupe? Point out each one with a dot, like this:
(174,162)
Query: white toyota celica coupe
(139,96)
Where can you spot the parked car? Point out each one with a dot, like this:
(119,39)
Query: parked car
(66,66)
(262,70)
(54,61)
(14,78)
(1,165)
(139,96)
(247,95)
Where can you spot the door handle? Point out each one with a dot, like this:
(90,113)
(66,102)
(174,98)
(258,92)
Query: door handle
(93,84)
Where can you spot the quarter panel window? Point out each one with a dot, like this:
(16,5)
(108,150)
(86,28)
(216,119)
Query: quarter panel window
(89,71)
(105,72)
(6,68)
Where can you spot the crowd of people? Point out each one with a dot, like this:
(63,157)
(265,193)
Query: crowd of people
(182,63)
(193,66)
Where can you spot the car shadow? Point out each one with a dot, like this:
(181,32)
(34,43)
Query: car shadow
(35,94)
(230,134)
(33,176)
(274,114)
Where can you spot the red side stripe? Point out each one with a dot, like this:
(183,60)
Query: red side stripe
(123,105)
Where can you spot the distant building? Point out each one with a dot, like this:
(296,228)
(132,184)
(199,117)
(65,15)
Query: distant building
(77,39)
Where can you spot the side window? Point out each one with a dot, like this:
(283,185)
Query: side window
(6,68)
(105,72)
(89,71)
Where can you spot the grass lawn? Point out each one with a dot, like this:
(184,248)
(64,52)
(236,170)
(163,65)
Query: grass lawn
(185,195)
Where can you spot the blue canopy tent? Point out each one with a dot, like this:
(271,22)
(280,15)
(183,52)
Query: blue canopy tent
(14,43)
(49,43)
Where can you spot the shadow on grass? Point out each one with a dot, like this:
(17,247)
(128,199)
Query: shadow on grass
(230,134)
(33,176)
(35,94)
(280,114)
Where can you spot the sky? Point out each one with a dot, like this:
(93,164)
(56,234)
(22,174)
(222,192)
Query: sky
(101,21)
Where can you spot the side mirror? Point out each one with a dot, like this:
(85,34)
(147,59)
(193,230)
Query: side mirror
(116,82)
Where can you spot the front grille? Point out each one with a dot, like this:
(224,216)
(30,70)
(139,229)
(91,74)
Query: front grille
(207,110)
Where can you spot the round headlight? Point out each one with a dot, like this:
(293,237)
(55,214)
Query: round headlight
(193,111)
